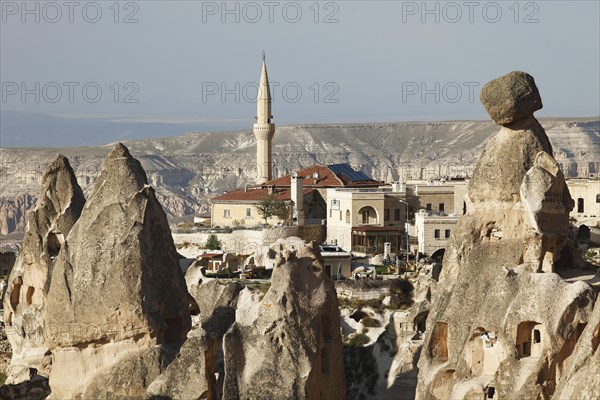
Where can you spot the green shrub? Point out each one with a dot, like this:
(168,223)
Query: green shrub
(213,243)
(370,322)
(358,340)
(361,373)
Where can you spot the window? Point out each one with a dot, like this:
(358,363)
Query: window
(386,214)
(248,213)
(428,206)
(447,233)
(347,216)
(397,214)
(537,337)
(436,234)
(226,213)
(441,207)
(580,205)
(340,215)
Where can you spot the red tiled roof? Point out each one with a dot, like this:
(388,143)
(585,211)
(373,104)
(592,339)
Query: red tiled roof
(326,178)
(211,255)
(256,195)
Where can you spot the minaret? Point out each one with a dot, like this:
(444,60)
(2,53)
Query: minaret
(263,128)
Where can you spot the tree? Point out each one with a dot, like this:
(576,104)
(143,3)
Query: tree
(270,207)
(213,243)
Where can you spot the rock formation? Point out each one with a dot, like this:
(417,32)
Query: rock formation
(293,334)
(13,213)
(59,205)
(117,306)
(282,344)
(580,379)
(502,324)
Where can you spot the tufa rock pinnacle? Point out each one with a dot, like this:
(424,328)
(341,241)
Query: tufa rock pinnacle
(59,206)
(117,300)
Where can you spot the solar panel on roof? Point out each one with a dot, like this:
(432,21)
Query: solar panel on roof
(347,171)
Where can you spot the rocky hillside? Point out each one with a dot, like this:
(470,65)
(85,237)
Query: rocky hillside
(187,170)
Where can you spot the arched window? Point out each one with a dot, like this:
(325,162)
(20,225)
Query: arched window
(347,216)
(367,215)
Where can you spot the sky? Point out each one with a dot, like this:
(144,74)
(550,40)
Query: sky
(128,67)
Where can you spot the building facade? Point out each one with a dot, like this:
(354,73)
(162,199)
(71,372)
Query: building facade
(586,195)
(433,231)
(304,192)
(361,220)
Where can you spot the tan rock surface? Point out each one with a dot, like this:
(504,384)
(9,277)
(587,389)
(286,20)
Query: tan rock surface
(502,324)
(280,345)
(511,97)
(117,290)
(292,347)
(58,208)
(580,380)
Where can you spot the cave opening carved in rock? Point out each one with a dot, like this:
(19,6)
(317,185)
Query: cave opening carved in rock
(529,339)
(54,243)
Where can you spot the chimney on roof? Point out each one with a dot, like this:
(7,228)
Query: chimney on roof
(297,199)
(246,188)
(271,189)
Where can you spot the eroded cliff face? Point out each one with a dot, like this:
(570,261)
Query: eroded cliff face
(285,343)
(580,379)
(502,323)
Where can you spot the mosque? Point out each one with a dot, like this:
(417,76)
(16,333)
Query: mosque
(304,192)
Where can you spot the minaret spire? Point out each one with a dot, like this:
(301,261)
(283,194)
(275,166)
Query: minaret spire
(263,128)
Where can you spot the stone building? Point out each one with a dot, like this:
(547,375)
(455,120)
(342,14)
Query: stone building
(438,196)
(433,231)
(361,220)
(304,193)
(586,194)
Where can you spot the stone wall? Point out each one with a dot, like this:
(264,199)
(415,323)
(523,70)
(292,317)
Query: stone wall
(368,289)
(246,241)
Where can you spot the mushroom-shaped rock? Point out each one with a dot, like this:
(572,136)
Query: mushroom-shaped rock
(502,322)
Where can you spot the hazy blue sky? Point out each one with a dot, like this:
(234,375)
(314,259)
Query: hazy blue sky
(352,60)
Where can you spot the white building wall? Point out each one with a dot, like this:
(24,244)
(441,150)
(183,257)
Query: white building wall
(586,190)
(339,230)
(426,226)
